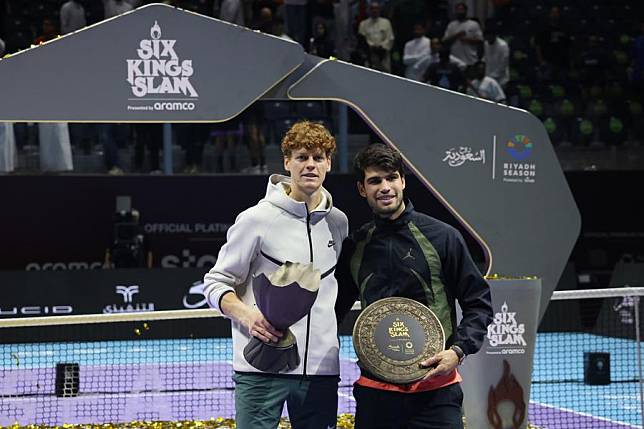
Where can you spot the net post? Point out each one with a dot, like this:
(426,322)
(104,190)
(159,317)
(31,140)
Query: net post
(636,301)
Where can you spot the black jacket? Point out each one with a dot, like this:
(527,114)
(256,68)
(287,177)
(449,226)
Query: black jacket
(417,257)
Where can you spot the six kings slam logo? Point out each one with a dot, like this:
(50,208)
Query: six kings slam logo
(158,73)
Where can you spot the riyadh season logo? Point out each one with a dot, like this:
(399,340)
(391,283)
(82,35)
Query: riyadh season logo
(159,72)
(520,149)
(505,334)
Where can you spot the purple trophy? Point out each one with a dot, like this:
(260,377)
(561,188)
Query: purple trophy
(284,297)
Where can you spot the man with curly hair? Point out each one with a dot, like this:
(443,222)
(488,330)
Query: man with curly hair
(295,222)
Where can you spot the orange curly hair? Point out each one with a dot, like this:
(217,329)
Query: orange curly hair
(308,135)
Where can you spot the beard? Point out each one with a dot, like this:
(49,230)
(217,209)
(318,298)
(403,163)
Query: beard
(387,210)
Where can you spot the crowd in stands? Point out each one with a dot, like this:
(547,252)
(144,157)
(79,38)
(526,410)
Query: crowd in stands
(578,65)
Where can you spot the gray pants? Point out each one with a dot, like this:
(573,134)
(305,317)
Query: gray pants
(312,403)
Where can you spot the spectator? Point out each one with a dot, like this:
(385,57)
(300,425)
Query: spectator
(436,45)
(343,29)
(464,36)
(7,140)
(72,17)
(277,29)
(252,119)
(638,62)
(7,146)
(593,62)
(497,57)
(321,11)
(227,138)
(110,137)
(55,145)
(230,11)
(417,49)
(379,36)
(445,73)
(321,44)
(360,55)
(296,20)
(552,43)
(482,86)
(193,137)
(148,136)
(48,32)
(116,7)
(264,21)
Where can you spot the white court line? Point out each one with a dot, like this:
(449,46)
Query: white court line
(344,395)
(585,414)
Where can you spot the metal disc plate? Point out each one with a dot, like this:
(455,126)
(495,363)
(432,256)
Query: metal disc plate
(393,335)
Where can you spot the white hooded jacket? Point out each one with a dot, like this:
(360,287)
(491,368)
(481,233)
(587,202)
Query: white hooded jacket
(263,237)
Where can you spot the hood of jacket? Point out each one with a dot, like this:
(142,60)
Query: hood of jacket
(277,191)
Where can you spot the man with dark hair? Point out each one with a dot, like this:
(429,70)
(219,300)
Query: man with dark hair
(463,35)
(416,49)
(497,56)
(482,86)
(379,35)
(445,73)
(408,254)
(552,44)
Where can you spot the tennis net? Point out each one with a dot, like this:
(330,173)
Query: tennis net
(587,369)
(119,368)
(175,366)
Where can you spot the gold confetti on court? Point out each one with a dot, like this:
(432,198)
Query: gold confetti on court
(345,421)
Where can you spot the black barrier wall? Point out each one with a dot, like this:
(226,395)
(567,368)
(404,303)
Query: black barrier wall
(66,222)
(40,293)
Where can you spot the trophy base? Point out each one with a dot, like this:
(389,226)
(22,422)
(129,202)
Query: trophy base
(277,357)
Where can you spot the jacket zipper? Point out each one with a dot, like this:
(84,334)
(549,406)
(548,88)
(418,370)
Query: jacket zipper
(308,316)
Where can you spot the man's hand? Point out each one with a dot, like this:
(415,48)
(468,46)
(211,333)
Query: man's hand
(442,363)
(251,318)
(259,327)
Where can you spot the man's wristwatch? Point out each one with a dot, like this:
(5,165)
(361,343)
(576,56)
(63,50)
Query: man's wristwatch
(459,352)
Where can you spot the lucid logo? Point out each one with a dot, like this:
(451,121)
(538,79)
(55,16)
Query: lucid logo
(36,310)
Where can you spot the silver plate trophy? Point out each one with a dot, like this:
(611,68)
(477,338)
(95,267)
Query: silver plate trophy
(393,335)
